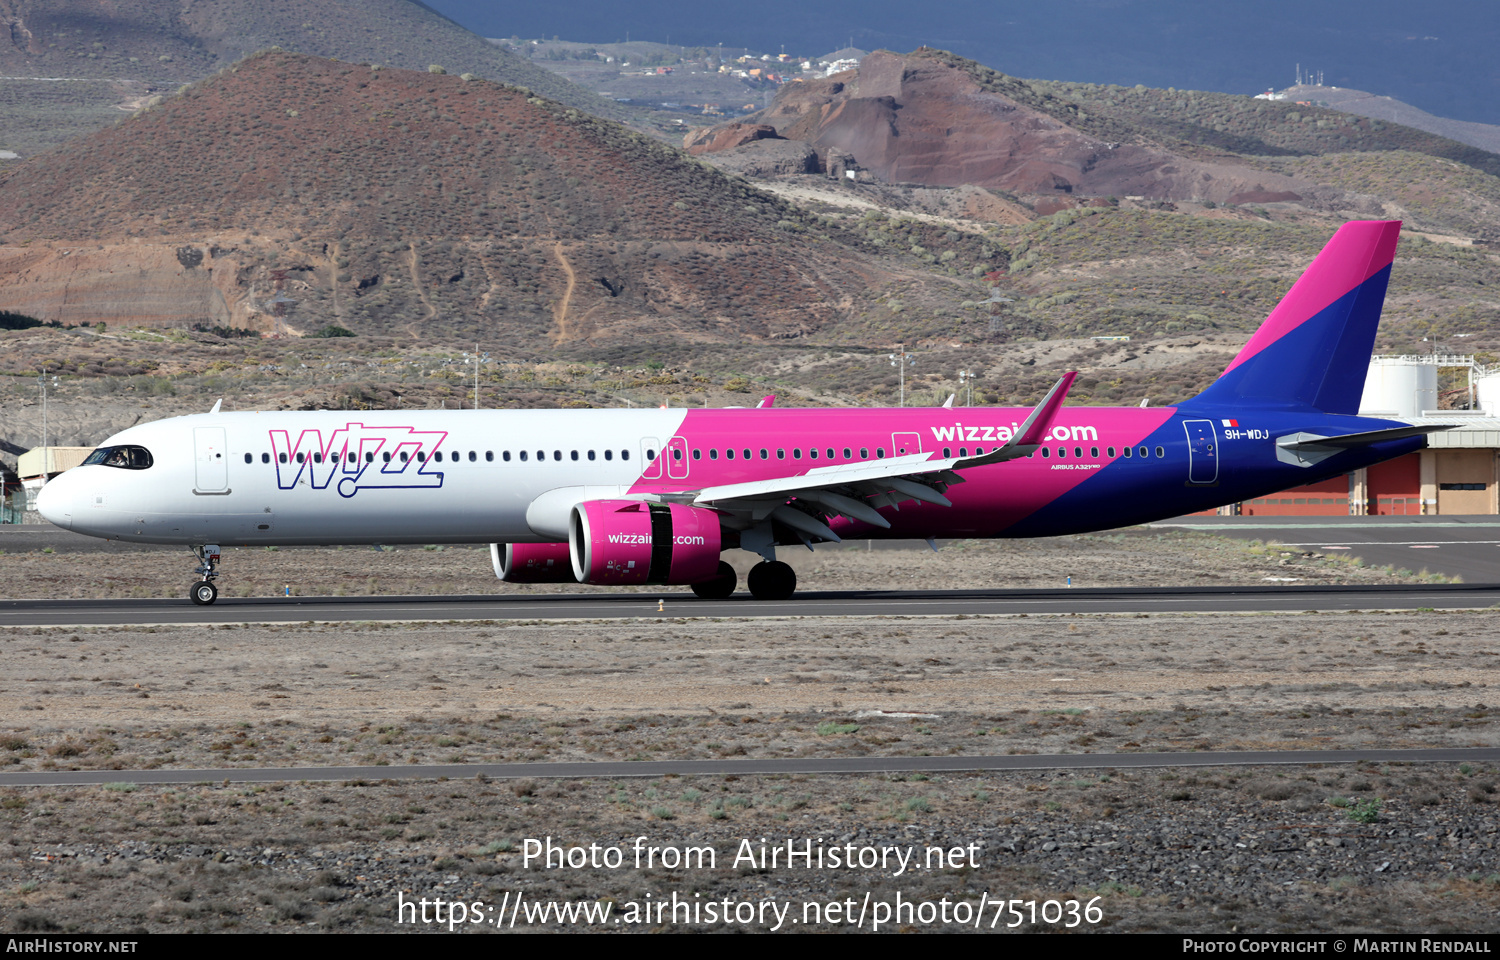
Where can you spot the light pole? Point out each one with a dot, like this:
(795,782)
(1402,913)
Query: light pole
(476,358)
(966,378)
(42,382)
(901,360)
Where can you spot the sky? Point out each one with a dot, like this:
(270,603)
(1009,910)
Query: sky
(1440,55)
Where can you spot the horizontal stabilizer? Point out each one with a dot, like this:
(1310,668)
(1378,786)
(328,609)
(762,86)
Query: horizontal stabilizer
(1306,449)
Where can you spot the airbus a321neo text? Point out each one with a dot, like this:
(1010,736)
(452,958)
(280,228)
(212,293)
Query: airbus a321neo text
(655,496)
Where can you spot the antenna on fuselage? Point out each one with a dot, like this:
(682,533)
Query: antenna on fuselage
(217,404)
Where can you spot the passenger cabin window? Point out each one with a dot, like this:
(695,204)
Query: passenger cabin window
(472,457)
(489,456)
(625,455)
(609,454)
(249,458)
(265,458)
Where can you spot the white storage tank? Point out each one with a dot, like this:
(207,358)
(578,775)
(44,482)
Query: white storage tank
(1488,389)
(1400,388)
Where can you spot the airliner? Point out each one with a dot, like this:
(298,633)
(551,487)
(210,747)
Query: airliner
(622,497)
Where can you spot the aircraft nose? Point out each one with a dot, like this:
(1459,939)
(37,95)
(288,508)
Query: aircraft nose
(55,502)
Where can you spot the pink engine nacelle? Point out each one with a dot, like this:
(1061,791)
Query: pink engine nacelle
(532,562)
(621,542)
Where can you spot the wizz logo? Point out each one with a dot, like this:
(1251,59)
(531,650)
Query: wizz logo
(356,457)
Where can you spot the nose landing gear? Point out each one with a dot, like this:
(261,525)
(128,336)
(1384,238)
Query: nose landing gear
(204,592)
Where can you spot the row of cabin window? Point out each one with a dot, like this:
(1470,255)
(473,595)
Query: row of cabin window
(437,457)
(713,454)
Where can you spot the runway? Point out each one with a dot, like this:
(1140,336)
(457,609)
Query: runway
(725,767)
(1457,546)
(674,602)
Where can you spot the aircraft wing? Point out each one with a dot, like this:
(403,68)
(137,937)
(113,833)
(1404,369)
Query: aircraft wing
(857,490)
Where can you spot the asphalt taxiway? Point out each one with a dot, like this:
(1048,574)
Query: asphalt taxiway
(673,603)
(1455,546)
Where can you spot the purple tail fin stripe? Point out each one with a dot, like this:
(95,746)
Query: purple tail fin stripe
(1356,253)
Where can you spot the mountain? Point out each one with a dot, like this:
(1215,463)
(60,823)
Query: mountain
(401,201)
(935,119)
(927,118)
(1485,136)
(156,45)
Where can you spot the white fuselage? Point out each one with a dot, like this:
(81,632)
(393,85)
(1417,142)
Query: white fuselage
(357,476)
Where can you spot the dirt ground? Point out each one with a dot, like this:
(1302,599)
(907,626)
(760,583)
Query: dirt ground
(1369,847)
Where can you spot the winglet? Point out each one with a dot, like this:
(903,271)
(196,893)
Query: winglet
(1033,431)
(766,402)
(1039,424)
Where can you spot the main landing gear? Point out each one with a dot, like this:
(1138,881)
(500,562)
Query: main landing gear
(772,580)
(720,587)
(204,592)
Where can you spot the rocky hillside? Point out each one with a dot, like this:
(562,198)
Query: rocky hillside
(389,200)
(934,119)
(1485,136)
(920,119)
(162,44)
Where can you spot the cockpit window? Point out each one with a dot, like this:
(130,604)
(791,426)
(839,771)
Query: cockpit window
(127,458)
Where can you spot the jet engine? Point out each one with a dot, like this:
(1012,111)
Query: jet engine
(621,542)
(532,562)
